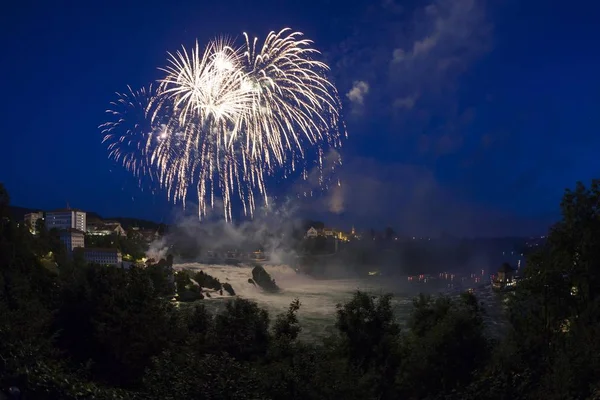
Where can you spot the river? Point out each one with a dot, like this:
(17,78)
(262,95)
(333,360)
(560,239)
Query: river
(319,297)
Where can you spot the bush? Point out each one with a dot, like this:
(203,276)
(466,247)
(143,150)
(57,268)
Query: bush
(87,332)
(114,318)
(242,330)
(189,295)
(176,376)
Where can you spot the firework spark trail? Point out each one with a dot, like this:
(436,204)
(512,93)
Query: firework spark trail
(129,133)
(229,117)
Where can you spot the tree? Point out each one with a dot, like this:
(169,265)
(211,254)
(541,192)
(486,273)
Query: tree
(286,325)
(307,224)
(368,328)
(445,347)
(175,376)
(390,234)
(114,318)
(370,338)
(242,330)
(4,202)
(551,347)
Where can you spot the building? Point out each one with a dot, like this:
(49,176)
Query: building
(257,256)
(72,238)
(31,220)
(148,235)
(506,278)
(102,256)
(328,232)
(311,233)
(506,273)
(66,218)
(105,228)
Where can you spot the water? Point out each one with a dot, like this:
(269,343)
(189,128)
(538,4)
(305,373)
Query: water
(319,297)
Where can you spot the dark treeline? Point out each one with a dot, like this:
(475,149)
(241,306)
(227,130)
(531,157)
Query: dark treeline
(389,253)
(90,332)
(410,257)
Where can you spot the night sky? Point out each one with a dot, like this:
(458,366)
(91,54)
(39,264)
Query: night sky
(464,116)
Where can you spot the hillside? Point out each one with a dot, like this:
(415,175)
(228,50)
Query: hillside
(18,213)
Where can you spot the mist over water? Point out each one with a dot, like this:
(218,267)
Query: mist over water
(319,297)
(279,232)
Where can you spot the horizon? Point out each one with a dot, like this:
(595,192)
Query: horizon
(460,117)
(238,224)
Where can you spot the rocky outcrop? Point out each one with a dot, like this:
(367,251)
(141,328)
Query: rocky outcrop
(262,278)
(227,287)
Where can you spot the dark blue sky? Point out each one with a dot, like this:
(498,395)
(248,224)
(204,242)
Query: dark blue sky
(463,115)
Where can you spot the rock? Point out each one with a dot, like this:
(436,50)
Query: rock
(190,295)
(263,279)
(228,289)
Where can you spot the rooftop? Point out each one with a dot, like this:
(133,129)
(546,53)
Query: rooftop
(71,230)
(101,250)
(34,212)
(65,210)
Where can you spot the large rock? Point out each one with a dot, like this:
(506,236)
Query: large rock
(263,279)
(227,287)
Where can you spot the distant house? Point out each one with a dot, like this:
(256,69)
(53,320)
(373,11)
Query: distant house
(257,256)
(31,220)
(148,235)
(506,278)
(312,233)
(106,228)
(506,273)
(328,232)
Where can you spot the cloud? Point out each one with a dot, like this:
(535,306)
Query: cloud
(357,94)
(446,37)
(392,6)
(406,102)
(322,184)
(336,199)
(410,198)
(412,60)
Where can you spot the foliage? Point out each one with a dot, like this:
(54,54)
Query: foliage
(368,329)
(286,325)
(115,319)
(162,277)
(186,289)
(551,350)
(83,332)
(242,330)
(133,247)
(445,346)
(4,202)
(207,281)
(185,376)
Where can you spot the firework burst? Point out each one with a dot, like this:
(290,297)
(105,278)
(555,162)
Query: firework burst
(129,134)
(228,117)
